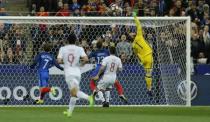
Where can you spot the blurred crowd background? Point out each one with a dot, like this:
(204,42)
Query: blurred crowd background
(14,44)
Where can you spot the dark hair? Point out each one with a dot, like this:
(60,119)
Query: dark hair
(47,47)
(112,50)
(71,39)
(99,44)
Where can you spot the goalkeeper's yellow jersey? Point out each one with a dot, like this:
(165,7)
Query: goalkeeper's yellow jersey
(140,45)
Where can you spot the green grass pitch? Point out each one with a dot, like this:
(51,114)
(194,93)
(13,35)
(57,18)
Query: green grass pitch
(112,114)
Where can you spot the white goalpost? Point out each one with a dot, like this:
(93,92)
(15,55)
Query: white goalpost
(21,38)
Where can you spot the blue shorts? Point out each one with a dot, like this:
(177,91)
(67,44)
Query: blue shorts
(95,71)
(43,79)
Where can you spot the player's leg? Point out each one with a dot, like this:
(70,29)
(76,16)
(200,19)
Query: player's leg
(71,106)
(72,102)
(92,85)
(93,82)
(107,95)
(101,96)
(147,62)
(106,85)
(43,84)
(43,91)
(73,88)
(119,89)
(75,94)
(148,65)
(107,98)
(100,89)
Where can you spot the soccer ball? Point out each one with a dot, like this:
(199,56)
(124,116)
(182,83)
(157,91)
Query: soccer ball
(114,7)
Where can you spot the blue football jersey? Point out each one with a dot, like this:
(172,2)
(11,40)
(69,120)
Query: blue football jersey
(99,55)
(45,61)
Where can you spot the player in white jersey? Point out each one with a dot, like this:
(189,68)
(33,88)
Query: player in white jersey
(110,66)
(73,57)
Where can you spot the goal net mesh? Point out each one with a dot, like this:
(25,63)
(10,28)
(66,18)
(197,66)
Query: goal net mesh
(21,39)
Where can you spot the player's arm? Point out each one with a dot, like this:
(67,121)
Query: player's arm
(60,61)
(35,61)
(84,58)
(118,50)
(130,50)
(101,70)
(57,65)
(90,56)
(138,25)
(60,56)
(120,66)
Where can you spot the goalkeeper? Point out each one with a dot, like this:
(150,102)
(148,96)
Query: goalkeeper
(144,53)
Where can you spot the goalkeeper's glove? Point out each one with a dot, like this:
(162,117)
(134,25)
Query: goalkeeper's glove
(134,14)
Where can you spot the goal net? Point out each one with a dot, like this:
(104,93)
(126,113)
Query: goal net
(21,38)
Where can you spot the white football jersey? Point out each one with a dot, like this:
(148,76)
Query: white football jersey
(112,63)
(71,57)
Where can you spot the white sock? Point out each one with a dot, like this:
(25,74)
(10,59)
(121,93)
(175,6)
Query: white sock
(82,95)
(72,104)
(107,96)
(101,96)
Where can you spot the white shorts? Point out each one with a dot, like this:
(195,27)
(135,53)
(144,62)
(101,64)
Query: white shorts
(73,81)
(106,82)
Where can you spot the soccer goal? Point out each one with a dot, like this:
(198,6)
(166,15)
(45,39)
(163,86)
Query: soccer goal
(21,38)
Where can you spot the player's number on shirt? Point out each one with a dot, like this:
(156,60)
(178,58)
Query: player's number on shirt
(112,67)
(71,59)
(46,62)
(100,59)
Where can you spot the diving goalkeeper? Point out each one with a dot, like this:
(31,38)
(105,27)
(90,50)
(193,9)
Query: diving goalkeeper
(144,52)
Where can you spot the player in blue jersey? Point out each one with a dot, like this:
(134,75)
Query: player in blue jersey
(99,55)
(44,61)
